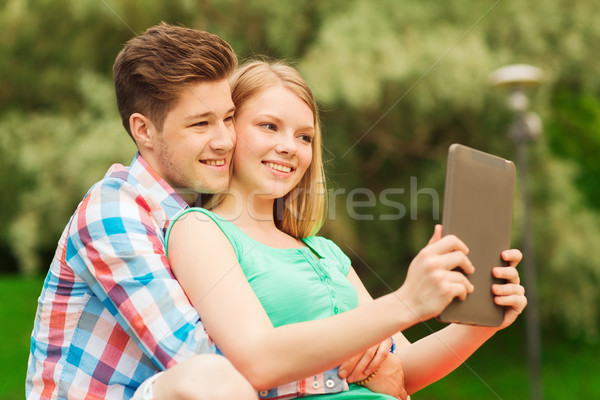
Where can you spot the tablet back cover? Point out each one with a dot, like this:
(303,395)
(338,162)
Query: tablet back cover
(478,202)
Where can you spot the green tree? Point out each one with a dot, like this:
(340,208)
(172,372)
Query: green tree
(398,81)
(59,158)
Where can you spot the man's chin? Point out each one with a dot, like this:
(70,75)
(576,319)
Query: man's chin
(210,187)
(200,188)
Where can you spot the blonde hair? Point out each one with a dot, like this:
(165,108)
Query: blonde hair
(301,212)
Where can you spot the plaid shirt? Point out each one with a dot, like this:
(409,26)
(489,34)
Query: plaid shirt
(111,314)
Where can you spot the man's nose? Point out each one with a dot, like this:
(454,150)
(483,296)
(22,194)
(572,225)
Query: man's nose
(223,139)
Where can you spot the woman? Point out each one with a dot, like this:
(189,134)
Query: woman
(300,312)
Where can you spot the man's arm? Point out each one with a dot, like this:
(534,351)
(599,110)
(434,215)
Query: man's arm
(117,247)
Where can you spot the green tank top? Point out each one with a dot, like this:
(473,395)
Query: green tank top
(295,284)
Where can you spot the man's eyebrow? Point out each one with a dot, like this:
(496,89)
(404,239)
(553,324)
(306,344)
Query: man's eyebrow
(199,116)
(207,114)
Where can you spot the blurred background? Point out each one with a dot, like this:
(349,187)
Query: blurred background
(397,82)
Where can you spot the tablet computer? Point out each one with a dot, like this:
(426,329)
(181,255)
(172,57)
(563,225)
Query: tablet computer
(478,204)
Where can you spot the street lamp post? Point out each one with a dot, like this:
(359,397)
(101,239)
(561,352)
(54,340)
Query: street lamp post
(525,129)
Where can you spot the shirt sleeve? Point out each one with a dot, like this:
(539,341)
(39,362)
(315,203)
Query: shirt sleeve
(116,245)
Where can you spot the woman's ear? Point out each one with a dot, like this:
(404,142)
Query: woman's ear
(142,130)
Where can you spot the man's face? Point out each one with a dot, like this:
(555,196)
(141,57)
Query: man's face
(195,147)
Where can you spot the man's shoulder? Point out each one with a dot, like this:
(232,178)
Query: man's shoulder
(115,205)
(117,194)
(126,200)
(117,185)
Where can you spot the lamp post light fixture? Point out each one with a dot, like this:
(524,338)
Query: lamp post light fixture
(526,128)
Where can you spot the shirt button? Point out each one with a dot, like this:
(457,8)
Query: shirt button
(333,294)
(263,393)
(316,384)
(327,281)
(330,383)
(336,310)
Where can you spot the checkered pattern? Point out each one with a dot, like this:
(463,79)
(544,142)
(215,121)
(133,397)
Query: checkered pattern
(111,314)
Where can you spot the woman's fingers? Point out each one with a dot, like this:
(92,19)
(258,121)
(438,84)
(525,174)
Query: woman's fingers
(508,289)
(512,293)
(510,274)
(437,234)
(512,257)
(459,285)
(516,302)
(447,244)
(456,259)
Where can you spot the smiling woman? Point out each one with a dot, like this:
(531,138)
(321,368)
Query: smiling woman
(274,132)
(252,264)
(277,159)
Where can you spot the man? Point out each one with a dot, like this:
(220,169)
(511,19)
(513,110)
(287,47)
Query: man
(111,315)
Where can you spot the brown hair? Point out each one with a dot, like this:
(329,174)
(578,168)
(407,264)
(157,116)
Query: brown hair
(153,68)
(301,212)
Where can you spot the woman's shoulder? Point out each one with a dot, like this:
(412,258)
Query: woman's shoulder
(201,223)
(191,217)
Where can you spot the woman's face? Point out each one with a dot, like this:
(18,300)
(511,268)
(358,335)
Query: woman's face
(274,143)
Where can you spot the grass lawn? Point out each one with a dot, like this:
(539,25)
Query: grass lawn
(18,302)
(570,369)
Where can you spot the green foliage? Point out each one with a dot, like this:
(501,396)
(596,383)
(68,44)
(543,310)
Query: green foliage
(573,129)
(60,158)
(566,232)
(398,81)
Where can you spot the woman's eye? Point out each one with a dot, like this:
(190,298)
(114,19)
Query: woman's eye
(201,123)
(229,120)
(269,126)
(306,138)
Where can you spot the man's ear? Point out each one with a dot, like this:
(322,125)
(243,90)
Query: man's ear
(142,130)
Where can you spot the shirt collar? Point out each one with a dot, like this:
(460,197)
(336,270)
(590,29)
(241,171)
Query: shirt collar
(158,188)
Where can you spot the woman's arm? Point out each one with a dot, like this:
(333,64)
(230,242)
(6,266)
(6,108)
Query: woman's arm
(389,375)
(436,355)
(207,268)
(430,359)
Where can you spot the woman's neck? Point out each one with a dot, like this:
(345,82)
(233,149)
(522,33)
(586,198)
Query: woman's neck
(254,216)
(247,210)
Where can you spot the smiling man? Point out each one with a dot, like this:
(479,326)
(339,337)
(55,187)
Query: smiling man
(111,314)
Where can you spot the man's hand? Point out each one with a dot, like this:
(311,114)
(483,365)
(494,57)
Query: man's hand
(389,379)
(361,366)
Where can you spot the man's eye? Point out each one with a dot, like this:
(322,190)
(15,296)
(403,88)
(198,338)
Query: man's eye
(229,119)
(201,123)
